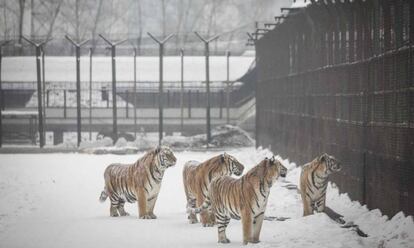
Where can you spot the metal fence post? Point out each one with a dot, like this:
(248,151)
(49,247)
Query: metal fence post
(160,101)
(126,104)
(189,104)
(78,87)
(64,104)
(135,93)
(228,88)
(38,47)
(182,92)
(90,93)
(1,94)
(114,110)
(47,98)
(207,55)
(256,133)
(221,103)
(43,87)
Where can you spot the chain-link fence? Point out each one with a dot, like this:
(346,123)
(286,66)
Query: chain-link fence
(338,78)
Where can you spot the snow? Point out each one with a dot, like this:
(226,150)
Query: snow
(221,137)
(51,200)
(18,113)
(63,69)
(56,98)
(300,3)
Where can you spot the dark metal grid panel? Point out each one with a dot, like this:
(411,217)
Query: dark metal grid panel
(350,97)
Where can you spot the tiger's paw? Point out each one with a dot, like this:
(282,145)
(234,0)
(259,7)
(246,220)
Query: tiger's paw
(192,221)
(224,241)
(146,217)
(114,215)
(209,224)
(254,241)
(153,216)
(125,214)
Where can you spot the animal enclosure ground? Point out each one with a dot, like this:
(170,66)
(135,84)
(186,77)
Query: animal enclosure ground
(51,200)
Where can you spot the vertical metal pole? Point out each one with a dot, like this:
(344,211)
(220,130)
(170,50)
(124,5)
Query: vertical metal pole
(78,96)
(208,92)
(39,97)
(43,86)
(39,89)
(64,104)
(189,104)
(127,104)
(90,93)
(221,104)
(47,98)
(78,88)
(228,89)
(182,92)
(1,101)
(207,54)
(114,113)
(160,101)
(135,93)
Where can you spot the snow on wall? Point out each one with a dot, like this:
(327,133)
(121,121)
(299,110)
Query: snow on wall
(63,69)
(300,3)
(56,99)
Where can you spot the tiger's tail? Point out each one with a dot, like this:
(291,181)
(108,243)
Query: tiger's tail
(103,196)
(206,204)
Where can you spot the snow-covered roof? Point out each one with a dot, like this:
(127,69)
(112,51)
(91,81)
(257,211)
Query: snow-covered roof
(63,69)
(18,113)
(300,3)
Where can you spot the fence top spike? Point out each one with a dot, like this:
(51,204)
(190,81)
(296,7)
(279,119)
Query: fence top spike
(34,43)
(106,40)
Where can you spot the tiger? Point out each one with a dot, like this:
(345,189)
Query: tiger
(197,176)
(314,181)
(140,181)
(244,198)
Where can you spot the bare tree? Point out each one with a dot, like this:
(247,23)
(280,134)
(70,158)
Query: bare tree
(96,23)
(123,18)
(53,19)
(5,23)
(22,4)
(32,16)
(140,25)
(163,18)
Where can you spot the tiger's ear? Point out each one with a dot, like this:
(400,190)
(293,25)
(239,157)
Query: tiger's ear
(272,160)
(322,158)
(222,157)
(158,149)
(261,172)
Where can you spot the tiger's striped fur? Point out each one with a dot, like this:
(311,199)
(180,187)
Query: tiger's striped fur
(314,181)
(140,182)
(244,198)
(197,177)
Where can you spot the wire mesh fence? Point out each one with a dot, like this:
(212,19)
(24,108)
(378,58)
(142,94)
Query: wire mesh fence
(338,78)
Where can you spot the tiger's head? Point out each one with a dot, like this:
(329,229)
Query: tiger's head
(235,167)
(272,169)
(331,163)
(165,157)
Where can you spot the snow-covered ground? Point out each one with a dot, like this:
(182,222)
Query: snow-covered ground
(52,201)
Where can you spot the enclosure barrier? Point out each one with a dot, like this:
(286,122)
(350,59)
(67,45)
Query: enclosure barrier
(337,77)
